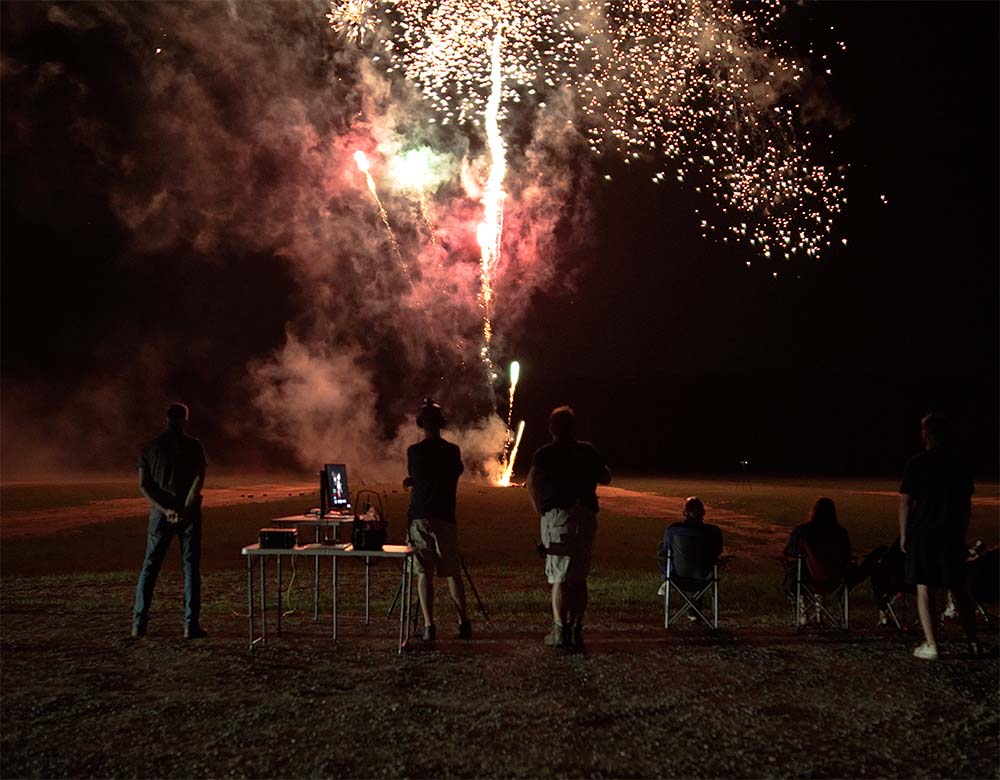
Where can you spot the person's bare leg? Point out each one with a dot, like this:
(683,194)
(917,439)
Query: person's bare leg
(425,592)
(560,602)
(456,589)
(925,609)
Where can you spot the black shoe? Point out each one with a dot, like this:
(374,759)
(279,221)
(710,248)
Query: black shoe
(138,630)
(194,632)
(464,629)
(428,633)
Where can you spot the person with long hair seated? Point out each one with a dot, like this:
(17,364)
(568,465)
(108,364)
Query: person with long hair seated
(825,547)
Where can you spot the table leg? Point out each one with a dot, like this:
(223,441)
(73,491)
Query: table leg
(279,594)
(334,583)
(263,599)
(316,588)
(402,605)
(250,596)
(368,574)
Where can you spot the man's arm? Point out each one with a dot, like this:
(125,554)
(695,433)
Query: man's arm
(533,490)
(194,494)
(160,499)
(604,476)
(905,505)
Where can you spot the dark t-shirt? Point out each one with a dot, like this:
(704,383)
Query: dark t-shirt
(564,472)
(435,465)
(940,483)
(173,460)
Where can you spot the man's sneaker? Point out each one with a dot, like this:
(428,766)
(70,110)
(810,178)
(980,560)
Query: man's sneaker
(559,636)
(194,631)
(577,635)
(464,629)
(926,652)
(692,617)
(138,630)
(663,589)
(428,633)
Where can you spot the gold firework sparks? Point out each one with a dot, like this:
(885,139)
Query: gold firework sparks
(354,19)
(695,88)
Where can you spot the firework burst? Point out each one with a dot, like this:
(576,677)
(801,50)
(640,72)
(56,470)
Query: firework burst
(354,19)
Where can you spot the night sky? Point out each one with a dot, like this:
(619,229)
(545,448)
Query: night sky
(677,356)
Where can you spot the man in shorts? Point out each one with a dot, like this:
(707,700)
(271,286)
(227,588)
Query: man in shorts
(434,466)
(562,484)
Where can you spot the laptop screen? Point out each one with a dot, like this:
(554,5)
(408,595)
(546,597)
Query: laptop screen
(336,484)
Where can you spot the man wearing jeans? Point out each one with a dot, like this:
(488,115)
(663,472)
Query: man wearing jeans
(562,484)
(171,476)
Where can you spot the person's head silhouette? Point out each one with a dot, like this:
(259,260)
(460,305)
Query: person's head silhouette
(177,415)
(694,510)
(562,423)
(430,418)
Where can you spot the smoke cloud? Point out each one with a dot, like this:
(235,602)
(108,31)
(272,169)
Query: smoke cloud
(237,140)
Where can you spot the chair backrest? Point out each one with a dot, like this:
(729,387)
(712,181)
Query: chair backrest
(692,556)
(826,564)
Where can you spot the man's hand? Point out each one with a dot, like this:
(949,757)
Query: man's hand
(173,516)
(902,543)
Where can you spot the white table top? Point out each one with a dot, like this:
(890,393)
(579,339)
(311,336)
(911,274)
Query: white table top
(388,551)
(330,521)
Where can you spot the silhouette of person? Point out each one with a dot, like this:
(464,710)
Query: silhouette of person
(693,525)
(171,476)
(935,504)
(562,484)
(826,552)
(434,466)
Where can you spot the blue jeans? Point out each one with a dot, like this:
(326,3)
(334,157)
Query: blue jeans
(158,538)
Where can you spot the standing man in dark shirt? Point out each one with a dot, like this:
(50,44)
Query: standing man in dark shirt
(434,466)
(935,503)
(562,484)
(171,476)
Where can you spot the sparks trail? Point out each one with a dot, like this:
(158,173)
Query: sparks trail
(508,468)
(491,228)
(363,165)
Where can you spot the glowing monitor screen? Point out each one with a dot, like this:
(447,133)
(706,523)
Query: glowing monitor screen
(336,485)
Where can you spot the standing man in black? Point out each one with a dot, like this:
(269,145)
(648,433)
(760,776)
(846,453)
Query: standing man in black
(434,466)
(562,484)
(171,476)
(935,504)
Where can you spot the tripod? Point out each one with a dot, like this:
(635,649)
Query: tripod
(472,585)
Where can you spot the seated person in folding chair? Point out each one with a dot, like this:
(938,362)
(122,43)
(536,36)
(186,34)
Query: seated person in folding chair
(825,548)
(691,537)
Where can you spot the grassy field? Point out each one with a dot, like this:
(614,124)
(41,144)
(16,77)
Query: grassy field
(756,700)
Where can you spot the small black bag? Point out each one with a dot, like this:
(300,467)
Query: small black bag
(370,530)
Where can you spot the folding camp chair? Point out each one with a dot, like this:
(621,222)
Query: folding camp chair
(692,573)
(823,580)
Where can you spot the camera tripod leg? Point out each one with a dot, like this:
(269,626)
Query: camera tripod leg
(479,601)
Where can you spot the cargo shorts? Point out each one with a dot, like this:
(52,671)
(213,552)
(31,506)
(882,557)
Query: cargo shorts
(436,546)
(568,537)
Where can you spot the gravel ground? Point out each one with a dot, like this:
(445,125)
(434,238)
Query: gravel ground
(81,700)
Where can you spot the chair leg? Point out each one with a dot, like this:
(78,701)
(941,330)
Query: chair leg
(847,594)
(666,608)
(715,597)
(798,593)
